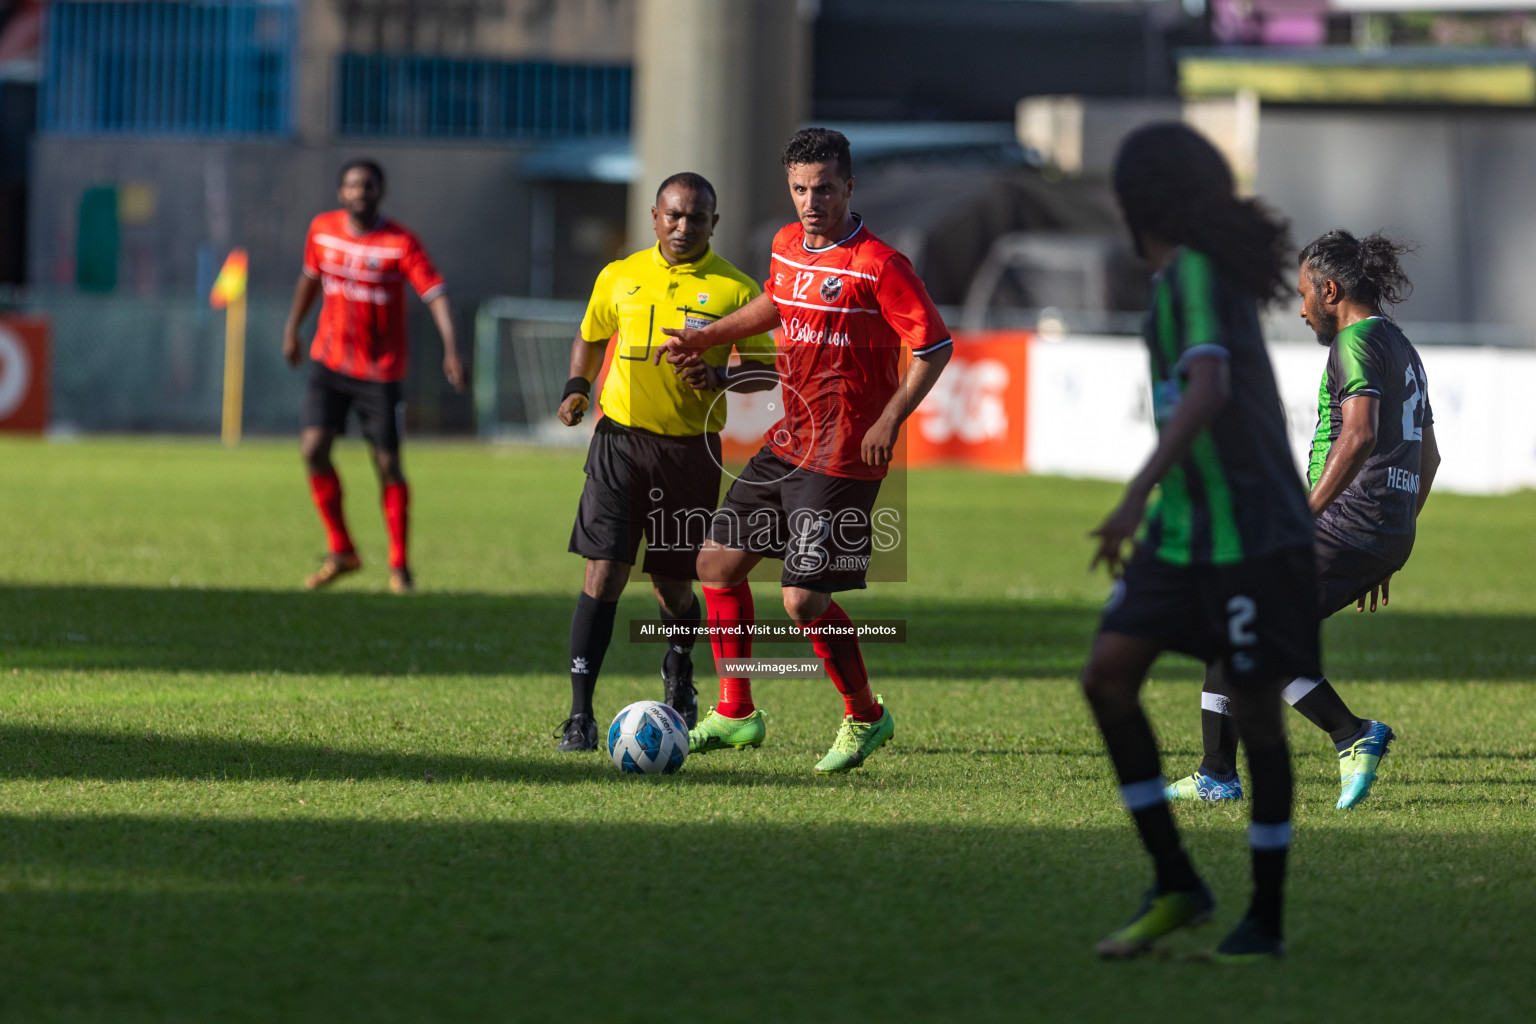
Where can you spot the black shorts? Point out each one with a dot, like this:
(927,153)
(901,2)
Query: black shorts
(1258,617)
(644,485)
(380,406)
(819,525)
(1345,574)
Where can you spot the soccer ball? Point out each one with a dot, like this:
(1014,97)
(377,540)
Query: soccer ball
(648,738)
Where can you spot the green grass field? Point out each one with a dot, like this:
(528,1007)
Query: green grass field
(222,798)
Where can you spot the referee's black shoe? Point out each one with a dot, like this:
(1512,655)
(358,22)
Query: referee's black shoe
(679,692)
(579,732)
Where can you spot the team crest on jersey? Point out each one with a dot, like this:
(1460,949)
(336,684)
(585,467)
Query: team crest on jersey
(703,298)
(831,288)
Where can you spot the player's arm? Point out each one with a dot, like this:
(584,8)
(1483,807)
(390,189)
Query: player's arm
(1357,439)
(879,442)
(1429,464)
(1209,388)
(442,315)
(684,344)
(746,378)
(586,361)
(304,294)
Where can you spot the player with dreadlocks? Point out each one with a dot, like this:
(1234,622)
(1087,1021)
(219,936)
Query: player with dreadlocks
(1374,459)
(1222,569)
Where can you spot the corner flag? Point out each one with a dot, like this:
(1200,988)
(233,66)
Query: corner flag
(230,284)
(229,294)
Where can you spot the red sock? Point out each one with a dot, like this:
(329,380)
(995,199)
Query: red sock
(845,664)
(397,500)
(325,489)
(732,607)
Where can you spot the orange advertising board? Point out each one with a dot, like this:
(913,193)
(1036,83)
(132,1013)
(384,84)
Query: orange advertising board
(974,415)
(24,373)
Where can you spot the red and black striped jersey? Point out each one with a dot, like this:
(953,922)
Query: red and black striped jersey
(846,310)
(362,276)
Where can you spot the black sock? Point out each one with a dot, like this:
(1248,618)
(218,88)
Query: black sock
(1266,910)
(1218,737)
(1344,744)
(591,630)
(1133,750)
(1324,708)
(1269,836)
(1160,836)
(680,644)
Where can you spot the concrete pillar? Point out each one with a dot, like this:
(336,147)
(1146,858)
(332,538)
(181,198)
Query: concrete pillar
(719,86)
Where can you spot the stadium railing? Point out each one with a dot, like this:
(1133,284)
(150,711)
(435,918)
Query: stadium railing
(474,98)
(123,363)
(157,68)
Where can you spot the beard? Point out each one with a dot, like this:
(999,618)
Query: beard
(1324,325)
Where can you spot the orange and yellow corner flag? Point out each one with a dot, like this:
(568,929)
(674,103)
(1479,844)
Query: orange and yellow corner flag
(230,284)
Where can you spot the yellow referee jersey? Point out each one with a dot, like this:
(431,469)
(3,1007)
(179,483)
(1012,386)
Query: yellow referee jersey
(639,295)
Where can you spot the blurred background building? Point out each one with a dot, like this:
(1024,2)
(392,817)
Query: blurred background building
(523,139)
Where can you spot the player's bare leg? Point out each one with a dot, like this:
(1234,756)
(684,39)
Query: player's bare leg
(735,721)
(681,613)
(1112,683)
(325,489)
(396,499)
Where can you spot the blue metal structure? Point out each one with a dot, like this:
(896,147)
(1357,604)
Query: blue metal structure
(403,95)
(157,68)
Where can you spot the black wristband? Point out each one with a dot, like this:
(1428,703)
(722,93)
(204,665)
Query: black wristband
(577,386)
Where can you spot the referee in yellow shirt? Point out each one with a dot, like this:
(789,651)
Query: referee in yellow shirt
(653,469)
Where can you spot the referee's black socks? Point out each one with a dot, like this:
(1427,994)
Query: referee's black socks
(591,631)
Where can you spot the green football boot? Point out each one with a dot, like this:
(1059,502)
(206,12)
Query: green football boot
(1206,788)
(857,740)
(1160,913)
(717,732)
(1358,761)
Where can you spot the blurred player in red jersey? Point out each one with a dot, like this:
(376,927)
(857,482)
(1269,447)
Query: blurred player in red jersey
(361,261)
(846,302)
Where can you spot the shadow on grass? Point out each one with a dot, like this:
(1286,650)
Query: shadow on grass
(28,752)
(166,629)
(131,918)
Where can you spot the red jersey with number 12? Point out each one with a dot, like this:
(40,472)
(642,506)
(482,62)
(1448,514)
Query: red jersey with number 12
(846,309)
(362,318)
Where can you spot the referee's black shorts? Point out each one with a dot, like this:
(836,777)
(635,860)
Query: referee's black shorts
(647,486)
(1257,617)
(380,404)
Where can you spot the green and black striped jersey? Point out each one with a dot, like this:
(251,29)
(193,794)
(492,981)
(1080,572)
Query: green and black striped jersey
(1377,510)
(1237,494)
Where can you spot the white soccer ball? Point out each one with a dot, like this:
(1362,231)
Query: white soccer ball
(648,738)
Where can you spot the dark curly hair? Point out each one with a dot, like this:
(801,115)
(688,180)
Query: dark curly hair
(818,145)
(1365,269)
(1173,184)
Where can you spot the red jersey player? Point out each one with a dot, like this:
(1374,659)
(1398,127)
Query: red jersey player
(361,261)
(847,302)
